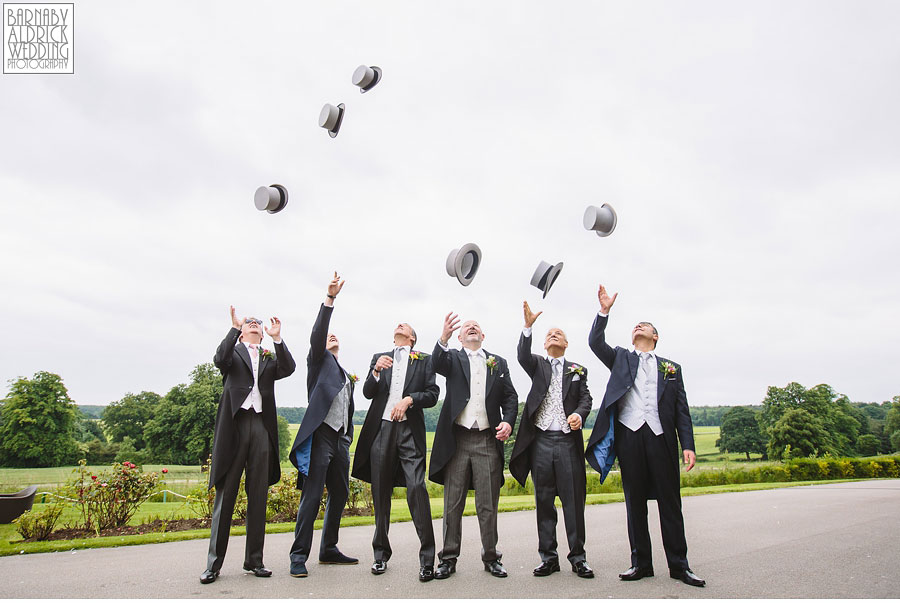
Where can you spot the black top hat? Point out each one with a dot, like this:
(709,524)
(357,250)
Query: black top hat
(545,275)
(366,77)
(272,198)
(463,263)
(330,118)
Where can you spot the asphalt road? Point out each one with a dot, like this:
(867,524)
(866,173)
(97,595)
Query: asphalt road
(828,541)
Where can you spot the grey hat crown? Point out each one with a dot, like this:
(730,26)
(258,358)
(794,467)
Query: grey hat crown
(545,275)
(330,118)
(272,198)
(601,220)
(366,77)
(463,263)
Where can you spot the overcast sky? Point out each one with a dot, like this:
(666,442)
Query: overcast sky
(751,151)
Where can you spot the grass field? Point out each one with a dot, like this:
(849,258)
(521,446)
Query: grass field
(184,478)
(10,540)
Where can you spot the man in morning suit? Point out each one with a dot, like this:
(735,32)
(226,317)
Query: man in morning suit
(477,416)
(246,437)
(321,450)
(646,396)
(391,447)
(549,444)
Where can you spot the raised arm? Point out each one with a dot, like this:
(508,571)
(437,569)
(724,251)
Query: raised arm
(224,352)
(441,355)
(527,360)
(597,337)
(319,336)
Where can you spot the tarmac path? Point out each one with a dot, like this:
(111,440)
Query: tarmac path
(825,541)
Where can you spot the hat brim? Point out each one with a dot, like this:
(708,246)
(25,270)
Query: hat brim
(615,220)
(455,263)
(337,126)
(284,199)
(552,275)
(374,81)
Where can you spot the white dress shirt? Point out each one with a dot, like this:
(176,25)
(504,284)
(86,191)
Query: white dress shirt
(398,378)
(254,399)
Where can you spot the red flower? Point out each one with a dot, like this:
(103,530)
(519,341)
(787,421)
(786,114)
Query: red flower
(165,470)
(94,477)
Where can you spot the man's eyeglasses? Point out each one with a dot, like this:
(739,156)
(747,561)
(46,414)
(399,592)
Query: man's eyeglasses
(250,321)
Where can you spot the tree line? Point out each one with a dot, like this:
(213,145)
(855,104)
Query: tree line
(41,426)
(796,422)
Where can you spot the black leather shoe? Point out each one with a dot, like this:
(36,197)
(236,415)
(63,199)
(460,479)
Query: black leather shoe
(496,568)
(582,569)
(687,576)
(546,568)
(636,573)
(426,573)
(259,572)
(208,577)
(338,558)
(379,567)
(444,569)
(298,570)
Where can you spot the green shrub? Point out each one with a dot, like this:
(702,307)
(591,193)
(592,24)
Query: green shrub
(39,524)
(110,498)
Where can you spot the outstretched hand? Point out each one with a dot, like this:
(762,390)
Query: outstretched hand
(451,323)
(335,286)
(530,316)
(275,330)
(606,301)
(235,321)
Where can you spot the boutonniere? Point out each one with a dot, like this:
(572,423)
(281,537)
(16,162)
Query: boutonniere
(416,356)
(265,354)
(578,370)
(353,378)
(491,363)
(667,369)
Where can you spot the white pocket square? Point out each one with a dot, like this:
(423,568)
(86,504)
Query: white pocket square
(576,377)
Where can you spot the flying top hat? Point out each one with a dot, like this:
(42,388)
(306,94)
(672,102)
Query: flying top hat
(366,77)
(545,275)
(601,220)
(271,198)
(330,118)
(463,263)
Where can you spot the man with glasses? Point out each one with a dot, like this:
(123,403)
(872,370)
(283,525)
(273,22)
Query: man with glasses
(246,437)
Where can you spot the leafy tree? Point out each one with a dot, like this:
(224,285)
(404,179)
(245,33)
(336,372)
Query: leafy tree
(87,429)
(834,413)
(127,417)
(284,439)
(892,424)
(740,432)
(181,429)
(37,421)
(868,445)
(798,433)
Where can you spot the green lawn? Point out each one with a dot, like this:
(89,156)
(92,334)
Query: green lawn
(10,543)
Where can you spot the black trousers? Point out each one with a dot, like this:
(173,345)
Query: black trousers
(648,468)
(393,446)
(252,454)
(557,469)
(329,465)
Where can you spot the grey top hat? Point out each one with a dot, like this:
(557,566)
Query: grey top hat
(330,118)
(272,198)
(366,77)
(601,220)
(545,275)
(463,263)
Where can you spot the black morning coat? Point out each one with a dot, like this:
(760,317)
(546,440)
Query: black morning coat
(501,404)
(420,385)
(575,396)
(324,379)
(233,360)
